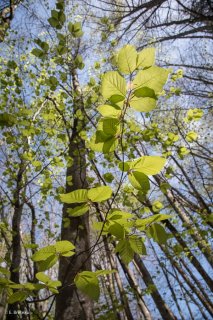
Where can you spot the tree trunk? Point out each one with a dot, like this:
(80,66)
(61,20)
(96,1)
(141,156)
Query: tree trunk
(70,302)
(164,310)
(16,242)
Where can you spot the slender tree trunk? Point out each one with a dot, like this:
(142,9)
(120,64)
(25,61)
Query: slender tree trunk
(123,296)
(185,277)
(70,302)
(163,308)
(168,282)
(133,283)
(190,255)
(202,244)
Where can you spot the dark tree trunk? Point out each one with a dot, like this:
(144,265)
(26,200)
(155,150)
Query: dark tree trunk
(70,302)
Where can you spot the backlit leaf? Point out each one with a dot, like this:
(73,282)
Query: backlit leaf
(126,59)
(113,84)
(146,58)
(100,194)
(76,196)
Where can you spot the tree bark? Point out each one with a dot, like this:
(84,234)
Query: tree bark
(70,302)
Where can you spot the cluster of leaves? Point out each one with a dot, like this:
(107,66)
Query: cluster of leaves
(140,94)
(135,85)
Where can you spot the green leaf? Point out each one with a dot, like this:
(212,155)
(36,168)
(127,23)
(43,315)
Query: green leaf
(42,277)
(54,283)
(124,166)
(113,85)
(44,253)
(109,111)
(147,84)
(149,165)
(142,223)
(117,230)
(38,53)
(153,78)
(108,145)
(137,245)
(194,114)
(48,263)
(126,59)
(139,181)
(108,177)
(54,14)
(125,250)
(164,187)
(76,196)
(75,29)
(87,282)
(18,296)
(146,58)
(78,211)
(143,99)
(157,206)
(109,126)
(54,23)
(158,233)
(44,45)
(63,246)
(7,120)
(119,216)
(4,271)
(100,194)
(145,92)
(191,136)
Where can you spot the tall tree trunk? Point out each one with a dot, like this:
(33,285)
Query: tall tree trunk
(163,308)
(71,303)
(16,242)
(134,285)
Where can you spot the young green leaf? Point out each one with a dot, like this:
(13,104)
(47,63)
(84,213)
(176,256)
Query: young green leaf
(18,296)
(42,277)
(153,78)
(113,86)
(137,245)
(63,246)
(142,223)
(44,253)
(87,282)
(139,181)
(125,250)
(78,211)
(146,58)
(109,111)
(76,196)
(47,263)
(101,142)
(126,59)
(191,136)
(117,230)
(149,165)
(158,233)
(100,194)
